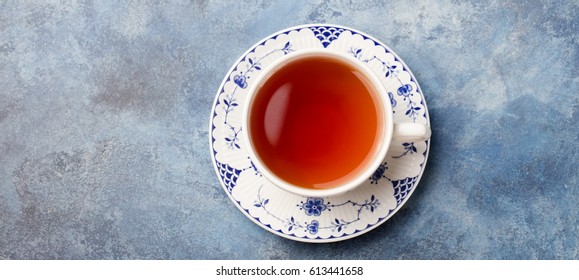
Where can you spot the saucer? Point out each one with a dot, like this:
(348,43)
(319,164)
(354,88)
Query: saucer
(327,219)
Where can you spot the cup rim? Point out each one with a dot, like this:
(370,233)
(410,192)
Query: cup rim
(379,154)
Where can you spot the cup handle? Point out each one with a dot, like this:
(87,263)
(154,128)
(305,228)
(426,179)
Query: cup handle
(411,132)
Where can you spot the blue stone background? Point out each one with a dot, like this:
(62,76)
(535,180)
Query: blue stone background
(104,112)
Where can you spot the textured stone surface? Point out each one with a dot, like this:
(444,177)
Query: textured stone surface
(104,112)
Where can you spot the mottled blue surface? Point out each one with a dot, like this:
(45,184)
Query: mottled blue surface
(104,112)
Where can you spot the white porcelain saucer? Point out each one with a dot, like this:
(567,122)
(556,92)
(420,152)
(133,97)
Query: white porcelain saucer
(326,219)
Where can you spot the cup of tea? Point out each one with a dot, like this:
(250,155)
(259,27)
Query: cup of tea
(319,122)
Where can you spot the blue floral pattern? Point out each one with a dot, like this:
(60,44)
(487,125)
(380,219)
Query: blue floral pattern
(313,219)
(313,206)
(408,148)
(379,173)
(406,91)
(313,226)
(392,99)
(391,70)
(240,81)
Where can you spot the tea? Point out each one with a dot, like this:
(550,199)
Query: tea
(316,122)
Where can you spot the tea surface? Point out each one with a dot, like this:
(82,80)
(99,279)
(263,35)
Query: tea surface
(314,123)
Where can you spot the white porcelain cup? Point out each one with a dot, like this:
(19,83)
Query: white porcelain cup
(408,132)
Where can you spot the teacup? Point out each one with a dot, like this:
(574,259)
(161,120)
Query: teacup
(319,123)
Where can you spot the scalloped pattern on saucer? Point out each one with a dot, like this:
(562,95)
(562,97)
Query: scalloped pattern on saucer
(326,219)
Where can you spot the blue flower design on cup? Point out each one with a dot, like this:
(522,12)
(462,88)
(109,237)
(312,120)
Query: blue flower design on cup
(240,80)
(379,173)
(392,100)
(314,206)
(405,90)
(413,108)
(313,227)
